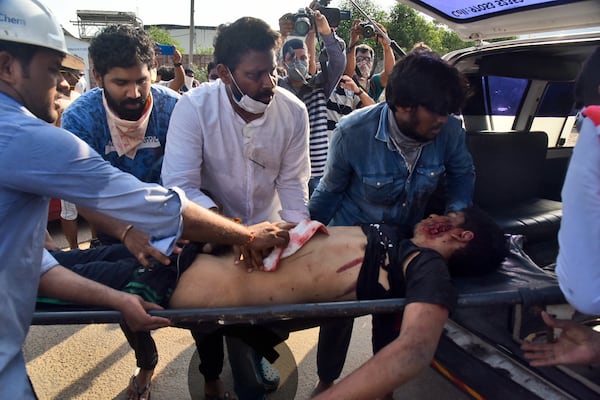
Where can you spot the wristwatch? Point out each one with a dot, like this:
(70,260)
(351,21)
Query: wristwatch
(360,91)
(177,64)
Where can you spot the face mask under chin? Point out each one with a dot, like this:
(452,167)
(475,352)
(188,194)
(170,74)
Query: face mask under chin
(246,102)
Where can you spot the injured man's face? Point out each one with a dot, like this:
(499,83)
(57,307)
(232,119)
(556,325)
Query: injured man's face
(436,225)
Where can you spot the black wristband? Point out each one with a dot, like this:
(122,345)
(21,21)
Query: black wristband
(177,64)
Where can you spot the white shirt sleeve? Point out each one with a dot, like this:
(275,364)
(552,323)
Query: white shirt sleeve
(182,163)
(292,183)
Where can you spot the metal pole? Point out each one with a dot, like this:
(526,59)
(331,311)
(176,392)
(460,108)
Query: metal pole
(192,35)
(392,43)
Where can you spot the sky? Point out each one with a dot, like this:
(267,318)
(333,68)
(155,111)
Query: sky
(178,11)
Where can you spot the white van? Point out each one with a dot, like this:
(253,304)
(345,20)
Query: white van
(521,129)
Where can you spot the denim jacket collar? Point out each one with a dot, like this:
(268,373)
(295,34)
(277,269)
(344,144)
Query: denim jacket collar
(382,133)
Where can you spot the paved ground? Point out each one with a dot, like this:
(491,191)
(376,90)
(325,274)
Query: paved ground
(95,362)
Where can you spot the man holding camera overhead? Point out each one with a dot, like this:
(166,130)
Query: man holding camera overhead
(360,62)
(314,90)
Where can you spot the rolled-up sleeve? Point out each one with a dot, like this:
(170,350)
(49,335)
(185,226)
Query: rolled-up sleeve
(79,175)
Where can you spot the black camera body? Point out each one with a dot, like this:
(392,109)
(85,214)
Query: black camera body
(335,15)
(368,30)
(303,20)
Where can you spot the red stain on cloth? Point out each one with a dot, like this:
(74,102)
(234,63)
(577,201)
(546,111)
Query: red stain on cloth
(299,235)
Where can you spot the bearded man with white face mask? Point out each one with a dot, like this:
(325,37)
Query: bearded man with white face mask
(245,140)
(126,119)
(313,90)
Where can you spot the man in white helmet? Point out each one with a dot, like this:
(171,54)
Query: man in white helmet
(39,161)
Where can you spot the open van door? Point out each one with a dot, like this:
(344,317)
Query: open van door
(488,19)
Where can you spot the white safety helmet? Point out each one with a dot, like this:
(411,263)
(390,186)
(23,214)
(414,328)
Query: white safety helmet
(31,22)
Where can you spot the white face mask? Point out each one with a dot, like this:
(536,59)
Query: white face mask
(365,68)
(247,103)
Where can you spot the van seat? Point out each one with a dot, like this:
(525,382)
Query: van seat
(509,174)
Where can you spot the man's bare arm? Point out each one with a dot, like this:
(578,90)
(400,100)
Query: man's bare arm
(398,362)
(103,223)
(136,241)
(355,34)
(388,58)
(203,225)
(177,83)
(63,284)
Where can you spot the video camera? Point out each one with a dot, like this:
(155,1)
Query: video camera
(303,20)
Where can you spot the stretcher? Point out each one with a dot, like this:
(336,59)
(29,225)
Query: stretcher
(518,281)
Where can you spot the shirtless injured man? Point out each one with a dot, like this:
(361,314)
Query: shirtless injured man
(363,263)
(366,262)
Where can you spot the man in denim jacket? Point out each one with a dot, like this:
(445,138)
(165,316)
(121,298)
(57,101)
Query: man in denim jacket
(385,162)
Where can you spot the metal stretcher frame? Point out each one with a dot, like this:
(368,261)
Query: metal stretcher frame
(518,281)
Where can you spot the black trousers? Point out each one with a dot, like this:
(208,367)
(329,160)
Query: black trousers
(113,266)
(334,341)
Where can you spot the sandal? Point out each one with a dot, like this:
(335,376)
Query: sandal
(134,392)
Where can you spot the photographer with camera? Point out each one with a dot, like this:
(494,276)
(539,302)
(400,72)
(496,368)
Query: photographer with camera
(313,90)
(360,59)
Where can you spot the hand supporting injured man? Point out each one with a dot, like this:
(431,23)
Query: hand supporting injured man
(363,263)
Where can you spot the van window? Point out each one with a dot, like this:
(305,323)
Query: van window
(505,99)
(556,114)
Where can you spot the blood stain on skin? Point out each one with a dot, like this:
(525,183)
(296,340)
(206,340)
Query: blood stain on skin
(349,265)
(438,227)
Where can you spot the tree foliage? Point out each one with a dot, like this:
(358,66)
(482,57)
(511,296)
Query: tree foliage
(372,10)
(404,25)
(163,37)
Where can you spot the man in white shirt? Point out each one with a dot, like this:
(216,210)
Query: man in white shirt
(244,140)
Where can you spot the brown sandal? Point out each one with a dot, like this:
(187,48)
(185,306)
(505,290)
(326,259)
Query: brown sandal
(135,392)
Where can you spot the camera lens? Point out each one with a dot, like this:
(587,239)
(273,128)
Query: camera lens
(368,30)
(302,26)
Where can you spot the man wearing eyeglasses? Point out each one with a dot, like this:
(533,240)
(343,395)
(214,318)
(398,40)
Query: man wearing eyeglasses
(385,162)
(360,63)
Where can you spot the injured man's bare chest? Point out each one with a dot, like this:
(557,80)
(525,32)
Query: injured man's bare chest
(325,268)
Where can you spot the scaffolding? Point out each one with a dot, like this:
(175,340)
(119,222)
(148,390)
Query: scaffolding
(89,22)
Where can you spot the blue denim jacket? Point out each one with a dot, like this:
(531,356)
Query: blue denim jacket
(366,178)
